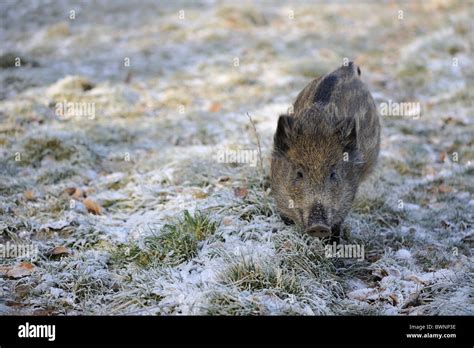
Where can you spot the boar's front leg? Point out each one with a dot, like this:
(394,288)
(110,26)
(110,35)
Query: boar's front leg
(335,233)
(286,220)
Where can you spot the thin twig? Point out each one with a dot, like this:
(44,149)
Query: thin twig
(266,202)
(259,148)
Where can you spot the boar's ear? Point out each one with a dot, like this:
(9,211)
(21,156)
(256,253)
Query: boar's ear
(282,136)
(348,131)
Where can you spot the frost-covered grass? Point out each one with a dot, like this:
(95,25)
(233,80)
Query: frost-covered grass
(150,221)
(173,244)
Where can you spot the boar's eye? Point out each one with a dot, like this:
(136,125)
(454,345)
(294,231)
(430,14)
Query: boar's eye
(333,176)
(299,174)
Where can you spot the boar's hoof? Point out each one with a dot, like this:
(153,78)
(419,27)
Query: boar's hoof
(320,231)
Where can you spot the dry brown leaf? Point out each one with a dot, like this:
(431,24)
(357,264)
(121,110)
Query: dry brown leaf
(223,179)
(380,273)
(416,279)
(58,251)
(92,207)
(445,223)
(29,195)
(227,221)
(4,269)
(70,190)
(75,192)
(362,294)
(241,192)
(199,195)
(215,107)
(22,290)
(444,189)
(412,300)
(78,193)
(453,121)
(15,304)
(44,312)
(22,270)
(394,299)
(442,156)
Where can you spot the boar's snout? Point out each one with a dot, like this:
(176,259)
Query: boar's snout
(319,230)
(317,224)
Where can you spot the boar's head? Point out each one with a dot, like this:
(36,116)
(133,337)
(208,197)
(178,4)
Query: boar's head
(315,172)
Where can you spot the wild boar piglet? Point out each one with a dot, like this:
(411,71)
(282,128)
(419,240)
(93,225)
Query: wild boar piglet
(323,150)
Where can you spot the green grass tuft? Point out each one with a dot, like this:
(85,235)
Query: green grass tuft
(227,304)
(249,274)
(35,149)
(175,243)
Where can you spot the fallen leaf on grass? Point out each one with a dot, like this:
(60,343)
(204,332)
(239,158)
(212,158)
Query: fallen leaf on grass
(413,300)
(215,107)
(227,221)
(22,290)
(223,179)
(444,189)
(439,189)
(362,294)
(22,270)
(453,121)
(92,207)
(199,195)
(4,269)
(29,195)
(15,304)
(446,223)
(394,299)
(44,312)
(380,273)
(417,279)
(241,192)
(58,251)
(70,190)
(78,193)
(55,225)
(75,192)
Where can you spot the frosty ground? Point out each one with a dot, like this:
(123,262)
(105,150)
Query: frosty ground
(130,207)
